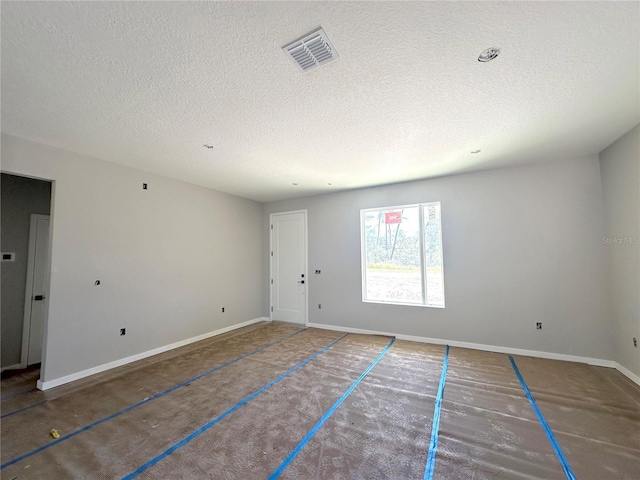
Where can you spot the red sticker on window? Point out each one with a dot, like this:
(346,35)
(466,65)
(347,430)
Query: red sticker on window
(393,217)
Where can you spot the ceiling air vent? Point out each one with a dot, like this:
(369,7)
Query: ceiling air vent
(312,51)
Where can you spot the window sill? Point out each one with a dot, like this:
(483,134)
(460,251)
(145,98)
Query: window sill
(383,302)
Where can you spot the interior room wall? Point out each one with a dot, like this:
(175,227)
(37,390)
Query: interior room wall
(521,245)
(168,258)
(620,172)
(19,198)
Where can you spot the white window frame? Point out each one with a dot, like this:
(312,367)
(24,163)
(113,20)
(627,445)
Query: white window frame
(423,270)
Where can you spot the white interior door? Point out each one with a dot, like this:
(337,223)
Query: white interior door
(289,267)
(36,294)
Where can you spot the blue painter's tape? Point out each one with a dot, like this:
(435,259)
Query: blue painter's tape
(285,463)
(222,416)
(547,430)
(13,395)
(22,409)
(435,425)
(142,402)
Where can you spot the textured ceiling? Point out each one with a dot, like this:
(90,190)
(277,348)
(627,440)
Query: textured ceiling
(146,84)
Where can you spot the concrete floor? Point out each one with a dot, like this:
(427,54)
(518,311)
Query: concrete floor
(274,395)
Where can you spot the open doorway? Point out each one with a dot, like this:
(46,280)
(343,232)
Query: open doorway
(24,241)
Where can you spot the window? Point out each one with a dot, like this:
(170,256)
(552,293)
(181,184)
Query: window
(402,255)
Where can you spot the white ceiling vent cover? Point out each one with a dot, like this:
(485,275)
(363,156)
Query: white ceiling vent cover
(311,51)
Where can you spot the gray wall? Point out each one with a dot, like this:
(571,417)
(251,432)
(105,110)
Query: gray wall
(521,245)
(620,171)
(19,198)
(168,258)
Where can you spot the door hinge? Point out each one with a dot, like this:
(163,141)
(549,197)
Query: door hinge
(272,253)
(272,309)
(272,281)
(271,227)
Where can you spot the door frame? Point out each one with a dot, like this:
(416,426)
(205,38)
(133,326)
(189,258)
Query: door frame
(306,262)
(26,322)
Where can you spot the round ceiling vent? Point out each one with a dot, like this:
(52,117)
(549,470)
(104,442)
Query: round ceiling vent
(489,54)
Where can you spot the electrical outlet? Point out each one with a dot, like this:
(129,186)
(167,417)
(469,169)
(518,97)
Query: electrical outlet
(222,309)
(538,325)
(318,272)
(635,342)
(319,305)
(123,331)
(144,186)
(97,282)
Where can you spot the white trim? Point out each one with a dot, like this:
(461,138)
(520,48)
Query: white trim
(306,262)
(628,373)
(476,346)
(123,361)
(10,367)
(28,293)
(306,267)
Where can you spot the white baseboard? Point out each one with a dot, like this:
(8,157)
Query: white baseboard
(628,373)
(123,361)
(10,367)
(476,346)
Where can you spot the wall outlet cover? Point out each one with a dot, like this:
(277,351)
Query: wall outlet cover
(8,256)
